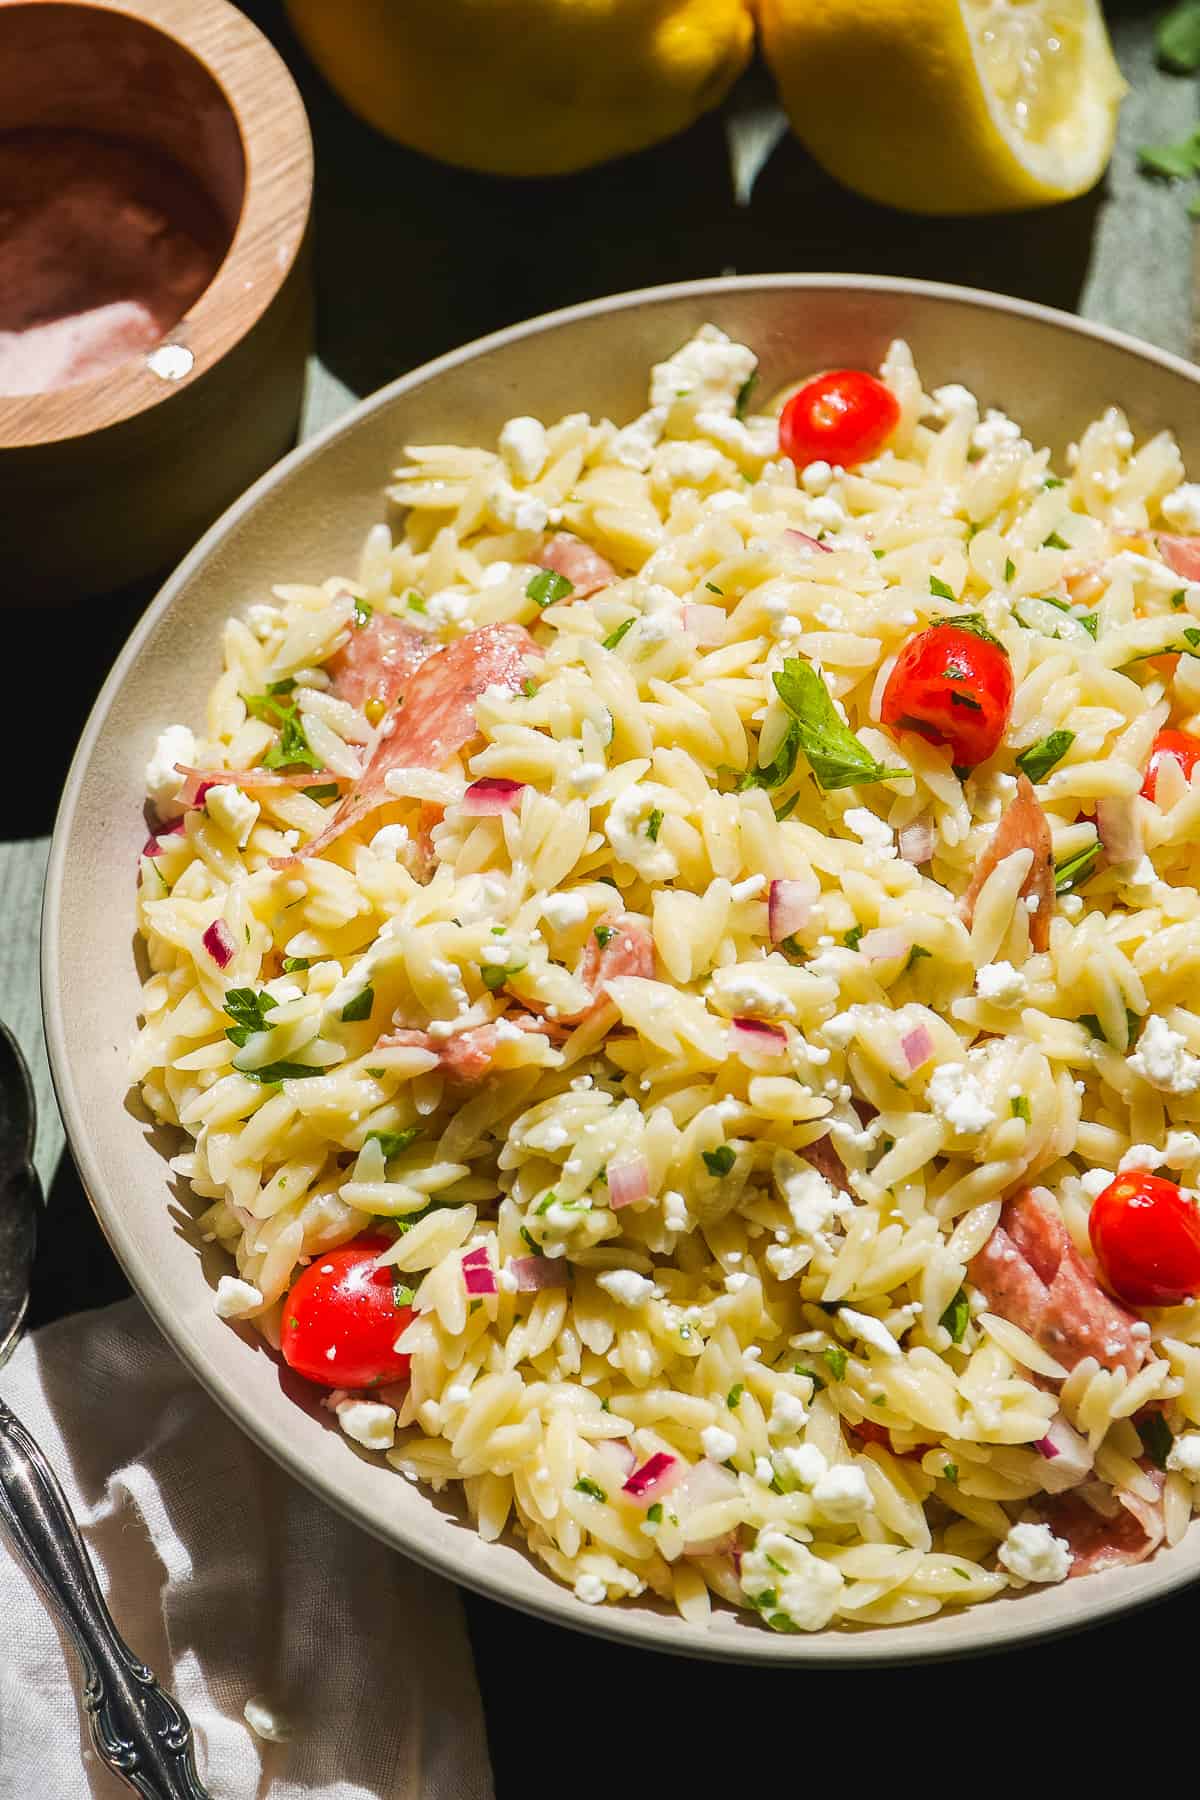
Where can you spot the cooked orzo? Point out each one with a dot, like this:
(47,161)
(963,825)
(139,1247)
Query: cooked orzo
(677,982)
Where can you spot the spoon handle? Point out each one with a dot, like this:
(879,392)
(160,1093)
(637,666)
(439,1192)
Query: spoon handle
(142,1734)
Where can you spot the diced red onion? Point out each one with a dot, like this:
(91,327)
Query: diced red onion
(479,1277)
(492,795)
(810,543)
(789,907)
(917,840)
(533,1272)
(1068,1456)
(917,1046)
(885,943)
(756,1038)
(657,1476)
(706,623)
(628,1182)
(218,941)
(1046,1448)
(151,847)
(1119,827)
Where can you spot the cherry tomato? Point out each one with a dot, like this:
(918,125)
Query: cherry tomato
(341,1320)
(1147,1240)
(953,688)
(1182,746)
(844,416)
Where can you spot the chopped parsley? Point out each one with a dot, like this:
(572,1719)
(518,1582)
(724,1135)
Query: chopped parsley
(939,589)
(788,808)
(1178,599)
(393,1142)
(359,1006)
(720,1160)
(1173,162)
(1091,1023)
(654,825)
(593,1490)
(1089,621)
(603,934)
(325,790)
(1075,870)
(293,748)
(1156,1437)
(733,1398)
(837,1360)
(1020,1108)
(915,955)
(494,975)
(415,602)
(248,1011)
(853,937)
(402,1294)
(280,1071)
(1052,481)
(835,755)
(772,774)
(1177,38)
(950,1473)
(974,623)
(1054,542)
(957,1317)
(547,586)
(714,589)
(799,1369)
(1010,568)
(654,1514)
(614,637)
(529,687)
(362,613)
(1040,758)
(531,1242)
(292,965)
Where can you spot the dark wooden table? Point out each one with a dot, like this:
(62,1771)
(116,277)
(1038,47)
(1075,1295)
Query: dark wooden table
(413,259)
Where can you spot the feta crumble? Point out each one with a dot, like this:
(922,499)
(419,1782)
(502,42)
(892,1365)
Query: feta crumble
(1033,1553)
(561,911)
(718,1443)
(806,1591)
(873,832)
(1182,508)
(842,1495)
(235,1299)
(1163,1059)
(958,1099)
(236,813)
(368,1422)
(1184,1455)
(869,1330)
(175,745)
(523,447)
(625,1286)
(1001,984)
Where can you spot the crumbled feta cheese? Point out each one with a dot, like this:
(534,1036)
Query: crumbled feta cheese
(1163,1059)
(1033,1553)
(816,477)
(812,1201)
(625,1285)
(591,1590)
(1094,1181)
(369,1423)
(746,890)
(693,464)
(1182,508)
(675,1212)
(390,840)
(1140,1156)
(826,514)
(523,447)
(634,446)
(263,620)
(628,817)
(1001,984)
(839,1030)
(763,1470)
(747,989)
(802,1462)
(495,575)
(709,373)
(561,911)
(1184,1455)
(875,834)
(870,1330)
(446,608)
(995,429)
(718,1443)
(736,1282)
(235,812)
(1181,1148)
(952,399)
(807,1592)
(842,1494)
(587,775)
(509,507)
(785,1261)
(234,1298)
(787,1415)
(175,745)
(507,1032)
(958,1099)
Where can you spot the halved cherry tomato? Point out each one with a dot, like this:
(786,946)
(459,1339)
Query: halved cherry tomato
(844,416)
(954,688)
(1182,746)
(341,1320)
(1147,1240)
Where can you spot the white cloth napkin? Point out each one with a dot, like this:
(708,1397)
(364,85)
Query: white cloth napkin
(236,1585)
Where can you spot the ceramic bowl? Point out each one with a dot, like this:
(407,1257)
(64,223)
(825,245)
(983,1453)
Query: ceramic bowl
(305,519)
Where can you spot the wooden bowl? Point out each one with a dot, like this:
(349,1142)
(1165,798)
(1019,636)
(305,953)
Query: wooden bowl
(115,476)
(306,519)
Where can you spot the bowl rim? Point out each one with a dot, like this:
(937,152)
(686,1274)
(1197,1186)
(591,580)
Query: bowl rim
(993,1627)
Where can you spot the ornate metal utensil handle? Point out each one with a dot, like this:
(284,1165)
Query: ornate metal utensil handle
(138,1729)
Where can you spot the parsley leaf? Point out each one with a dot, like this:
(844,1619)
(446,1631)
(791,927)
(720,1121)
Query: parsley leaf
(362,613)
(1010,568)
(940,590)
(529,687)
(548,586)
(1156,1437)
(654,825)
(777,771)
(593,1490)
(950,1473)
(720,1160)
(1089,621)
(393,1142)
(1177,38)
(359,1006)
(280,1071)
(1020,1108)
(957,1317)
(603,933)
(326,790)
(915,955)
(293,747)
(248,1011)
(1052,481)
(1076,869)
(1040,758)
(788,808)
(293,964)
(614,637)
(714,589)
(835,755)
(853,937)
(1174,162)
(415,602)
(1178,599)
(1054,542)
(733,1398)
(654,1513)
(837,1360)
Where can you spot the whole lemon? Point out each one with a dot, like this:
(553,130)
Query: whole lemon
(947,106)
(527,87)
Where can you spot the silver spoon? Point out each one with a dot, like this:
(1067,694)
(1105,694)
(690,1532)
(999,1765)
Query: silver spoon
(142,1734)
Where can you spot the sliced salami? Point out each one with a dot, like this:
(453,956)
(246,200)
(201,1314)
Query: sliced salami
(583,567)
(1023,827)
(1123,1529)
(376,662)
(1182,554)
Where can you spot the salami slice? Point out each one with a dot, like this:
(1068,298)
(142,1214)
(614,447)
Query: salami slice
(377,661)
(1182,554)
(1126,1531)
(434,720)
(465,1057)
(583,567)
(1031,1274)
(197,782)
(1023,827)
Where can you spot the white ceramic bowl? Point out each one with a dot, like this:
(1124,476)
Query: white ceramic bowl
(305,519)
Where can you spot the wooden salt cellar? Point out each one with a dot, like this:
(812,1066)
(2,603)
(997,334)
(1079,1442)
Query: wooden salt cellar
(115,477)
